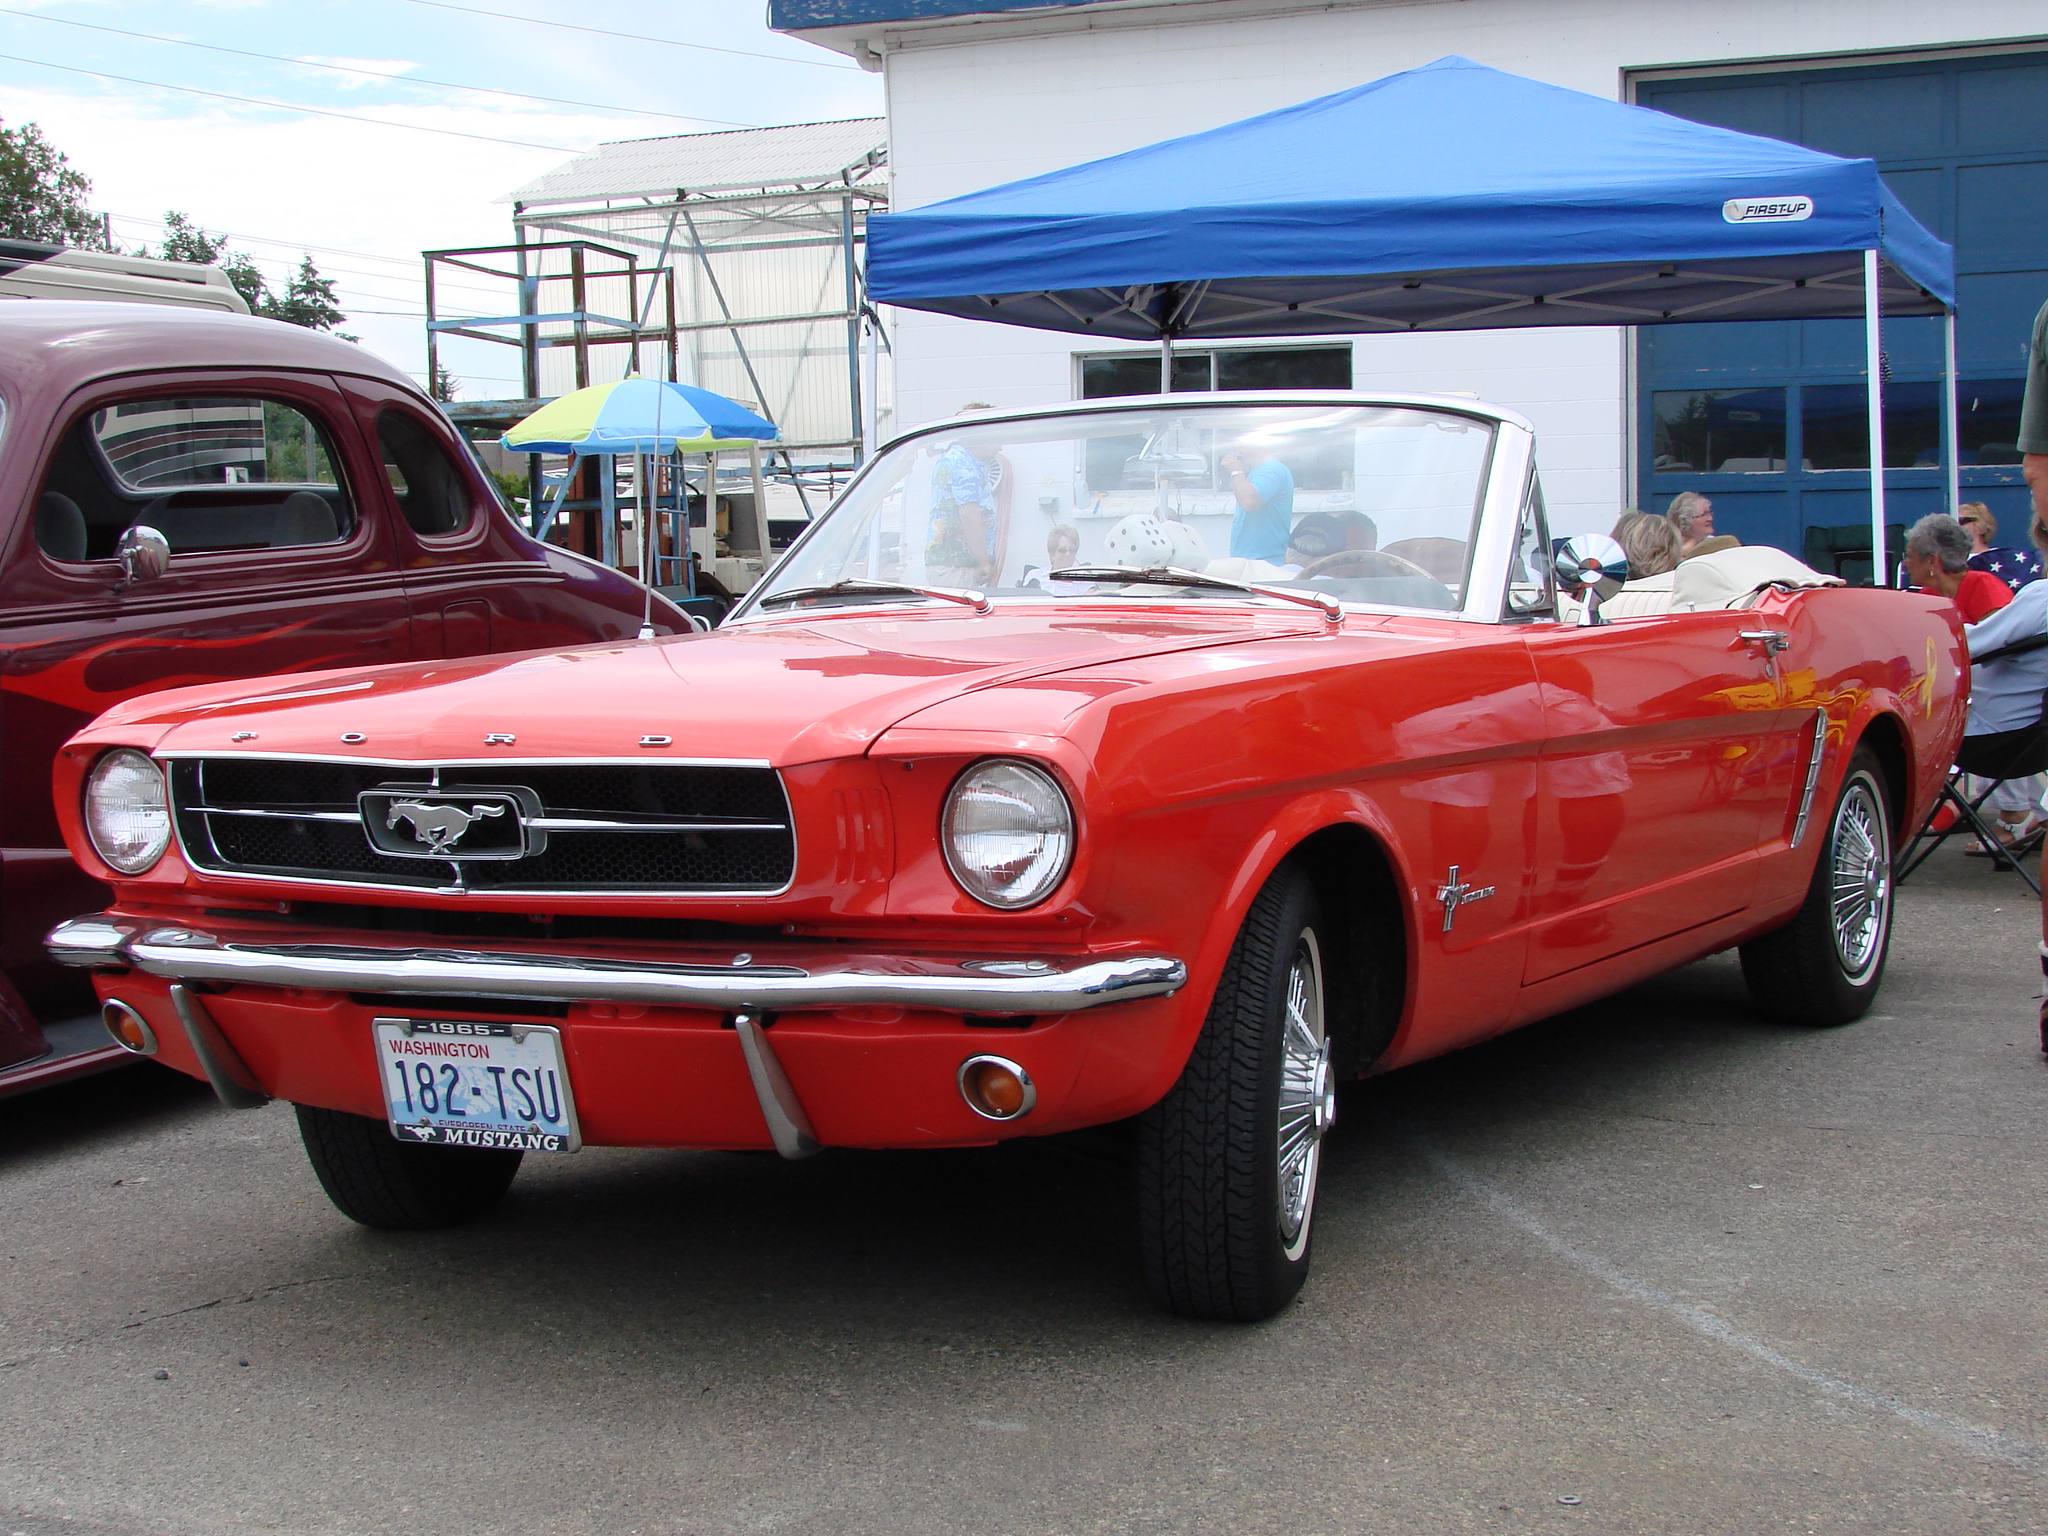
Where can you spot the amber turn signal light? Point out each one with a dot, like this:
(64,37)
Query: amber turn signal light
(996,1088)
(130,1029)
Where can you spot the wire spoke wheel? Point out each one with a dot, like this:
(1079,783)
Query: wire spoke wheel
(1825,965)
(1308,1100)
(1227,1162)
(1860,867)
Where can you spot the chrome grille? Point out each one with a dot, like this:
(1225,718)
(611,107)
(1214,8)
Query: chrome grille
(602,826)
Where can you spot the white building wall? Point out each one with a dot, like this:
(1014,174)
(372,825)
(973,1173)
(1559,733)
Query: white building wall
(968,111)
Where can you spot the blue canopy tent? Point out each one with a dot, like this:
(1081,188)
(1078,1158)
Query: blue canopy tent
(1450,197)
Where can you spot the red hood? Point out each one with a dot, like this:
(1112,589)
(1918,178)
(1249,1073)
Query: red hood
(782,693)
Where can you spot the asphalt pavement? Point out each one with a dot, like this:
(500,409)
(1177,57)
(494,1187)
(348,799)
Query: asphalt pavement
(1654,1266)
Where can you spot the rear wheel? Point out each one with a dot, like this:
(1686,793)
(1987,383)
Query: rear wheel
(380,1181)
(1227,1161)
(1826,965)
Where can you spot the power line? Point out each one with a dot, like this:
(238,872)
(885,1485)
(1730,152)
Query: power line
(410,263)
(286,106)
(412,267)
(636,37)
(374,74)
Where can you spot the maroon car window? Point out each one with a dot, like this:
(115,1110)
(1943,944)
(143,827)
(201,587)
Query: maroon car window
(430,488)
(207,472)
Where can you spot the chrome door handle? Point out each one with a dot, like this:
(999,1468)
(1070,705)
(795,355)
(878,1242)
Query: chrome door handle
(1772,640)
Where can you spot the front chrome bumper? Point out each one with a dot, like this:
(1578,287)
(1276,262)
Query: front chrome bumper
(826,978)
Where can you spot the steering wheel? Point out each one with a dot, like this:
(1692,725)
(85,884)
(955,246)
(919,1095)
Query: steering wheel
(1363,562)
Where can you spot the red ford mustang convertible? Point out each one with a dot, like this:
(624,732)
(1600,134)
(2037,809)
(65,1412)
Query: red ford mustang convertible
(1160,759)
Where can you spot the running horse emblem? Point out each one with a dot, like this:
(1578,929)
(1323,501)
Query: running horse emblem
(440,826)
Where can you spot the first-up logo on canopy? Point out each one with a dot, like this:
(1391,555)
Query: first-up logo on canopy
(1767,210)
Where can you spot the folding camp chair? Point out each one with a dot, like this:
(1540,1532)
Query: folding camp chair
(1845,551)
(1997,756)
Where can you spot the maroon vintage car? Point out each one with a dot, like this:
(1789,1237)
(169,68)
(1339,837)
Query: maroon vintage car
(188,496)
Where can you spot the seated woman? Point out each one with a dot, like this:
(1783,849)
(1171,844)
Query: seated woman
(1938,563)
(1653,547)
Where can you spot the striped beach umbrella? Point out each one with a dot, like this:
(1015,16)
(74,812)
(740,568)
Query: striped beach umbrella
(636,415)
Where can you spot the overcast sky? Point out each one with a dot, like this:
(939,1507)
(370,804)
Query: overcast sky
(367,199)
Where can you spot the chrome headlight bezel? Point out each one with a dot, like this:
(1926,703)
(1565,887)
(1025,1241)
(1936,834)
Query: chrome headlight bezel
(149,799)
(1039,797)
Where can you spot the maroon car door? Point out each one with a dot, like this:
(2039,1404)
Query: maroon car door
(473,584)
(278,563)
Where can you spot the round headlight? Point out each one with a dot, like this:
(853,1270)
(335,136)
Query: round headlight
(1008,833)
(126,813)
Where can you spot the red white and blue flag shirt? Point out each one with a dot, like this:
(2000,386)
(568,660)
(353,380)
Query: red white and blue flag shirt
(2014,567)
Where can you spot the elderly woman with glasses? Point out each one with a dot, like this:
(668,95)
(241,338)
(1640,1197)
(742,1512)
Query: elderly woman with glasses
(1938,563)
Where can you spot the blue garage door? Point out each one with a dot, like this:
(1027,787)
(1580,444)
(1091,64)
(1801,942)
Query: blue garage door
(1767,418)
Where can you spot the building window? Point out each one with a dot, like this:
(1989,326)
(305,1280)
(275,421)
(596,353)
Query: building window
(1137,373)
(1988,420)
(1835,419)
(1719,431)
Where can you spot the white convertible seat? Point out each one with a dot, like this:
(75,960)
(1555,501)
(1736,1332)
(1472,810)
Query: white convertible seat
(1244,568)
(1725,578)
(1642,598)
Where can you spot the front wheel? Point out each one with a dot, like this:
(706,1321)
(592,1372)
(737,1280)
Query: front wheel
(1227,1161)
(375,1179)
(1825,966)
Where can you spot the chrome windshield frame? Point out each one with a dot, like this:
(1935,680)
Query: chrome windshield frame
(1499,505)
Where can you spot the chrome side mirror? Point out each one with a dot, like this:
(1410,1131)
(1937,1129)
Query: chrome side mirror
(144,554)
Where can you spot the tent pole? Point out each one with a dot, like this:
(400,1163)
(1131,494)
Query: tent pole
(761,503)
(608,490)
(1165,363)
(872,430)
(1873,363)
(1951,447)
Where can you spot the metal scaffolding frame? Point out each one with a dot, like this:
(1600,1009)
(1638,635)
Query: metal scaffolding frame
(763,233)
(536,326)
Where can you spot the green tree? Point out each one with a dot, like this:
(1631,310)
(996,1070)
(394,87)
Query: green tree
(42,197)
(308,299)
(186,241)
(444,386)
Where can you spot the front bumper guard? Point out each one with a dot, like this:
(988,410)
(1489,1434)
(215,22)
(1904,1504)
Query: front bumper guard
(827,979)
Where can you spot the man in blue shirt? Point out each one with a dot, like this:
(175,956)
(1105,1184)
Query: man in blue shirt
(963,493)
(1264,488)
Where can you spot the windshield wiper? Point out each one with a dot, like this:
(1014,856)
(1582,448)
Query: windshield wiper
(1172,576)
(854,585)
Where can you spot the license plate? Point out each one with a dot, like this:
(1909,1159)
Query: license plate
(462,1083)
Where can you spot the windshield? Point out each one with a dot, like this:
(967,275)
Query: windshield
(1367,504)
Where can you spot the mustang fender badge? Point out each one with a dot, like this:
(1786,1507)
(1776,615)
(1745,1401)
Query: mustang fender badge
(1454,893)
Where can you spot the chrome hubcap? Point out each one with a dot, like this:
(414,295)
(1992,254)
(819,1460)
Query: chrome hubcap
(1308,1095)
(1860,874)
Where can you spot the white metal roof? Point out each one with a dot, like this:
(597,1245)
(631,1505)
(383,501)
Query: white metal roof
(742,159)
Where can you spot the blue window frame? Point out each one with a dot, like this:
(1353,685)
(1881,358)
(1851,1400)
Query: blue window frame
(1964,143)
